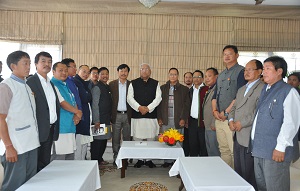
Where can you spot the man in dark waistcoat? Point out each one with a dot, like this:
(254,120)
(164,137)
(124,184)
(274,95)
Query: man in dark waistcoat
(275,126)
(144,95)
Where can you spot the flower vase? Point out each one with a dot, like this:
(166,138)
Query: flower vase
(171,144)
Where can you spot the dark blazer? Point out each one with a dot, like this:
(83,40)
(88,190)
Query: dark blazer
(202,93)
(114,89)
(42,109)
(181,104)
(83,127)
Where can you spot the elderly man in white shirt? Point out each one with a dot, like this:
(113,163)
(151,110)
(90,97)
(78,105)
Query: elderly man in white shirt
(144,95)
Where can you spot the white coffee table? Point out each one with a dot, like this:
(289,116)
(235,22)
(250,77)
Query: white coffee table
(146,150)
(209,174)
(65,175)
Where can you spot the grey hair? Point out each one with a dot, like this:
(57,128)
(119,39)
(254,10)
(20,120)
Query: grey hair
(145,64)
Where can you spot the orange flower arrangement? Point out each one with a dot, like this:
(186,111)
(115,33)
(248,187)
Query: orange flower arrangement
(170,137)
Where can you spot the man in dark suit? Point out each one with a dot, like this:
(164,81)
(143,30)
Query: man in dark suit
(121,111)
(47,107)
(196,124)
(48,101)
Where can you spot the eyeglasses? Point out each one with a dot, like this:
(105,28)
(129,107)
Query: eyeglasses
(74,67)
(250,70)
(197,76)
(144,69)
(94,73)
(173,74)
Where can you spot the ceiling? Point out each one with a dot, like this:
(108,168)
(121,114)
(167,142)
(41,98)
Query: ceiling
(244,2)
(283,9)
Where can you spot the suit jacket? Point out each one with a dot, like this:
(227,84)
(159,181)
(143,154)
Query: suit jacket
(181,104)
(244,109)
(202,92)
(208,117)
(42,109)
(114,88)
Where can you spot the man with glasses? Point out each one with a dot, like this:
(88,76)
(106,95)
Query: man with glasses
(196,124)
(144,95)
(83,136)
(228,83)
(241,118)
(173,110)
(94,76)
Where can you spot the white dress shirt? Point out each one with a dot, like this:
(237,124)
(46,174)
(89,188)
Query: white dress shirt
(122,97)
(50,96)
(195,102)
(291,121)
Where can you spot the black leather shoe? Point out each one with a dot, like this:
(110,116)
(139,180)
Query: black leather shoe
(139,164)
(166,165)
(150,164)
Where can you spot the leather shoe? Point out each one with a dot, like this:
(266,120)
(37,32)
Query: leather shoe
(139,164)
(150,164)
(166,165)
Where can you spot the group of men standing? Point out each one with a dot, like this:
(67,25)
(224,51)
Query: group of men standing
(251,124)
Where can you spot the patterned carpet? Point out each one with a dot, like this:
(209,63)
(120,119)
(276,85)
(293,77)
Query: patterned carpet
(104,169)
(148,186)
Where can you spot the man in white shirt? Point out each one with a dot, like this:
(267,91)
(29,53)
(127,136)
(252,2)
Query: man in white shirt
(274,128)
(18,127)
(144,95)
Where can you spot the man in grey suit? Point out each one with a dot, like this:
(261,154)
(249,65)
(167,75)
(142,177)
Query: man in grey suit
(241,118)
(212,145)
(121,111)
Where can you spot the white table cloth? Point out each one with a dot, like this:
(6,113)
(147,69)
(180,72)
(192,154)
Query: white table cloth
(208,174)
(65,175)
(148,150)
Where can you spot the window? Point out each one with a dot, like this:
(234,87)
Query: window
(292,58)
(32,49)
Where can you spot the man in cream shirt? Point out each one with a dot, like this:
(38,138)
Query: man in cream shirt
(18,126)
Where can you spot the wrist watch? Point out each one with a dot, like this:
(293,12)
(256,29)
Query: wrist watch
(226,114)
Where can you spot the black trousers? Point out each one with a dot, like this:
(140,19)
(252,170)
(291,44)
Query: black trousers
(97,149)
(44,151)
(196,139)
(244,163)
(186,144)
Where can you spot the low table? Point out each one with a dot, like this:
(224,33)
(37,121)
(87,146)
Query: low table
(209,174)
(65,175)
(146,150)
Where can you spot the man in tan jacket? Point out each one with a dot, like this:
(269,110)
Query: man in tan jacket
(241,118)
(212,145)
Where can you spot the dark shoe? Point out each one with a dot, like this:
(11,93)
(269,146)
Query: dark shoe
(130,160)
(166,165)
(114,163)
(150,164)
(139,164)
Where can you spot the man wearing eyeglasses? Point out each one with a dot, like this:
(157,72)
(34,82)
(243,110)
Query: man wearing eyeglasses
(173,110)
(196,123)
(241,118)
(144,95)
(83,127)
(228,83)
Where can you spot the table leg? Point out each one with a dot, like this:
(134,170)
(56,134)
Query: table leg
(124,166)
(181,183)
